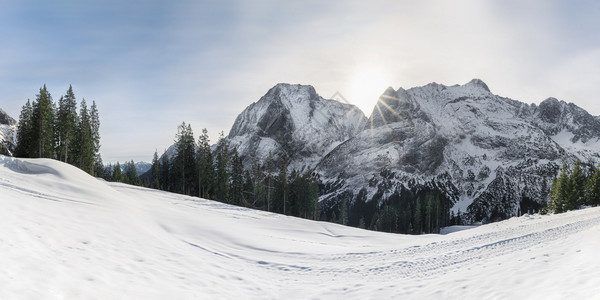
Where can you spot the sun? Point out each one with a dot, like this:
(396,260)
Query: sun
(365,86)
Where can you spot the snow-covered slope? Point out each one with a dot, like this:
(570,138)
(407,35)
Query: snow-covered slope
(66,235)
(486,153)
(293,120)
(8,129)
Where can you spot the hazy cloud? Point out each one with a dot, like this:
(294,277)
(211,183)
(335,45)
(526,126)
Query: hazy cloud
(150,65)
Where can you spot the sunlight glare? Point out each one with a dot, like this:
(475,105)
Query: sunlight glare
(366,85)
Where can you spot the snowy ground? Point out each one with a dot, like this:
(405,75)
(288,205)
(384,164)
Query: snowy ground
(67,235)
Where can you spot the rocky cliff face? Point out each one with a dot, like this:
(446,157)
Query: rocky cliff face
(487,154)
(293,121)
(8,128)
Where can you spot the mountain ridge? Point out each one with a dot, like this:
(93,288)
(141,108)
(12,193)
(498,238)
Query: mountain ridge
(486,153)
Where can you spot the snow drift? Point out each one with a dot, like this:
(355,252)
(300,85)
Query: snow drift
(68,235)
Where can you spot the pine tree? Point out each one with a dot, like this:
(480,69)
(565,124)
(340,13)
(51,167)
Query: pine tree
(555,204)
(312,196)
(237,179)
(592,189)
(66,124)
(282,189)
(117,175)
(43,124)
(155,171)
(418,217)
(94,131)
(223,173)
(82,147)
(270,167)
(577,183)
(429,213)
(25,147)
(361,223)
(258,193)
(108,172)
(206,168)
(296,193)
(184,161)
(131,176)
(561,187)
(165,172)
(98,166)
(248,189)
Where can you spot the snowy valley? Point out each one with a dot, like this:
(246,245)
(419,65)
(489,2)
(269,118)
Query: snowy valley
(68,235)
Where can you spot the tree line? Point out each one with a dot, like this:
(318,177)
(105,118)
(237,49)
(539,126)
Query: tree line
(194,168)
(574,188)
(46,130)
(404,211)
(125,173)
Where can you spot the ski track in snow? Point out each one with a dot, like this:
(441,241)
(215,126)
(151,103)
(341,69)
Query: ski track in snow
(420,261)
(427,260)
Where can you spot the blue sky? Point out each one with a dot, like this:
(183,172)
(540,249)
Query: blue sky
(150,65)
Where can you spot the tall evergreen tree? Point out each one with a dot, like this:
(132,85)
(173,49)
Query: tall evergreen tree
(108,172)
(429,213)
(25,146)
(592,188)
(184,161)
(223,173)
(206,168)
(312,204)
(43,124)
(95,130)
(248,189)
(269,184)
(577,184)
(117,173)
(258,175)
(165,172)
(155,171)
(418,217)
(83,149)
(66,124)
(131,176)
(237,179)
(282,189)
(561,187)
(98,166)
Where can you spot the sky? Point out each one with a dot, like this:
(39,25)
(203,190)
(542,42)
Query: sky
(150,65)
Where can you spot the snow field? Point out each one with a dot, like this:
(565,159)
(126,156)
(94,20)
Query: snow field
(66,235)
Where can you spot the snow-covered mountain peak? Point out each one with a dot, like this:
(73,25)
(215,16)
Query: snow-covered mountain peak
(292,120)
(292,92)
(478,83)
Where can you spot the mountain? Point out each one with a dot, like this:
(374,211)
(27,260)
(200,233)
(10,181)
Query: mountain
(142,167)
(69,235)
(293,120)
(491,157)
(8,130)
